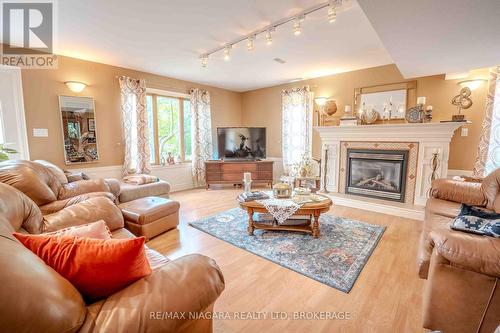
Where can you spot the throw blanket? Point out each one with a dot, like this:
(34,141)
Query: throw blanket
(280,209)
(140,179)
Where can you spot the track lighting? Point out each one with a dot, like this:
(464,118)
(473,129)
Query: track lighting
(269,37)
(250,40)
(296,27)
(332,12)
(227,53)
(267,31)
(204,60)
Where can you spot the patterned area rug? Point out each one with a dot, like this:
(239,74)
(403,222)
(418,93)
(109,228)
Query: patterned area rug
(336,258)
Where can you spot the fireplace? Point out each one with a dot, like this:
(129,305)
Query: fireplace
(377,173)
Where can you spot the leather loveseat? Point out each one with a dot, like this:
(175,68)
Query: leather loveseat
(462,292)
(35,298)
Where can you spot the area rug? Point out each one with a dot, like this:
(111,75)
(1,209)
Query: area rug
(336,258)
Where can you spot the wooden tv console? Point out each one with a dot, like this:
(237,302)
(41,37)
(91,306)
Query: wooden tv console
(231,172)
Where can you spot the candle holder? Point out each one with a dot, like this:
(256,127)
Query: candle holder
(247,186)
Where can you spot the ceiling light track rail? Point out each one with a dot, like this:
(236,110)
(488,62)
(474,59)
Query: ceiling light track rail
(332,5)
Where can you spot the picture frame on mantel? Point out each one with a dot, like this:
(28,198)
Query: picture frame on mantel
(401,93)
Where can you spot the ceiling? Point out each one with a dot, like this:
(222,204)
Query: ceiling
(167,37)
(428,37)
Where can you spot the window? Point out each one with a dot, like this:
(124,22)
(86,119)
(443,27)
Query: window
(169,121)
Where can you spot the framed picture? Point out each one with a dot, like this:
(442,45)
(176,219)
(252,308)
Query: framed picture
(91,124)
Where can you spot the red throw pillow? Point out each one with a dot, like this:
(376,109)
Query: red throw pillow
(97,268)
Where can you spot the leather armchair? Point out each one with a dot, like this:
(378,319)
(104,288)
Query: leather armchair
(38,299)
(462,292)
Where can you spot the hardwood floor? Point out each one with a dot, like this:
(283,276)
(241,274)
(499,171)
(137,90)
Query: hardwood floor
(387,297)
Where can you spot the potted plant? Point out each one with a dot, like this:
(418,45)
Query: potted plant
(4,152)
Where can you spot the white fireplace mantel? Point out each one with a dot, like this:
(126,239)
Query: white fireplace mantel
(391,132)
(432,138)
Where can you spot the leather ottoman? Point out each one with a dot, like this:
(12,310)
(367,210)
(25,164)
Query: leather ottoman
(150,216)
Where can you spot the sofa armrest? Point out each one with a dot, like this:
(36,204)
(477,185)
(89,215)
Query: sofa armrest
(468,193)
(164,300)
(58,205)
(114,186)
(82,187)
(91,210)
(474,253)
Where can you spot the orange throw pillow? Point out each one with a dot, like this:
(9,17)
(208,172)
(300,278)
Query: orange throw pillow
(97,268)
(98,230)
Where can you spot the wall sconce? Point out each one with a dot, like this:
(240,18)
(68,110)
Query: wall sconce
(75,86)
(471,84)
(320,101)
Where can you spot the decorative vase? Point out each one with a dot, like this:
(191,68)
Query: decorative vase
(303,172)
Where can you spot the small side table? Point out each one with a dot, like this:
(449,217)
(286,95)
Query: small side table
(316,180)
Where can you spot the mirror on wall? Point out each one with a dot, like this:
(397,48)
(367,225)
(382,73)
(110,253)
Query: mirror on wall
(388,100)
(79,129)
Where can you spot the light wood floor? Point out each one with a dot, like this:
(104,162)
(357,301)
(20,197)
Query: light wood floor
(387,297)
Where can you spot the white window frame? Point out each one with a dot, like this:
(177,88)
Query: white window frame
(169,94)
(14,122)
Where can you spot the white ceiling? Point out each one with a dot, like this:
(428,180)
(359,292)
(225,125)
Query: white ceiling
(427,37)
(167,37)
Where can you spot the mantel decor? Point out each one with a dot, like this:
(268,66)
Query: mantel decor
(462,101)
(386,103)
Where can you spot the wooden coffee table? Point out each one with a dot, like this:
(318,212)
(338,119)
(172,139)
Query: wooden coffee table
(311,209)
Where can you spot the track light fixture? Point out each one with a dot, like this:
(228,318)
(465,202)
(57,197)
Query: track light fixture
(250,40)
(296,20)
(297,30)
(269,37)
(227,52)
(204,60)
(332,11)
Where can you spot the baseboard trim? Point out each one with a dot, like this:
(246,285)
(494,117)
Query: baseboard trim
(397,209)
(181,187)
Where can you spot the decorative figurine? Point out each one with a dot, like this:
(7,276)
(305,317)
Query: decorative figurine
(461,101)
(170,159)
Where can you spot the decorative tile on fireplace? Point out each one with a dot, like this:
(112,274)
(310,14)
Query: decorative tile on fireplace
(376,185)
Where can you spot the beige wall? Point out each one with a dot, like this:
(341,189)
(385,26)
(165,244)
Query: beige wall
(262,107)
(42,88)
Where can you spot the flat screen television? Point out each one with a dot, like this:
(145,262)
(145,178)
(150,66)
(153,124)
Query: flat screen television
(244,143)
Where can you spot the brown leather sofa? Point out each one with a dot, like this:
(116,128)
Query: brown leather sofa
(35,298)
(462,292)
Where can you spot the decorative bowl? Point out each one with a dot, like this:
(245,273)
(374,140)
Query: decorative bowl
(282,190)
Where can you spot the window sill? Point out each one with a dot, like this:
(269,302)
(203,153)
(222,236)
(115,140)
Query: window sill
(182,165)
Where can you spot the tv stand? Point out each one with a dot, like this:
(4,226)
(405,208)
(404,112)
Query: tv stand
(231,172)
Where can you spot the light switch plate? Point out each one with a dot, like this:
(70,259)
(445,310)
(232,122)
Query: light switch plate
(464,131)
(41,132)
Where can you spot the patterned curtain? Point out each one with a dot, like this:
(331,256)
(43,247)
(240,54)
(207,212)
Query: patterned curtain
(488,154)
(296,125)
(135,125)
(201,134)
